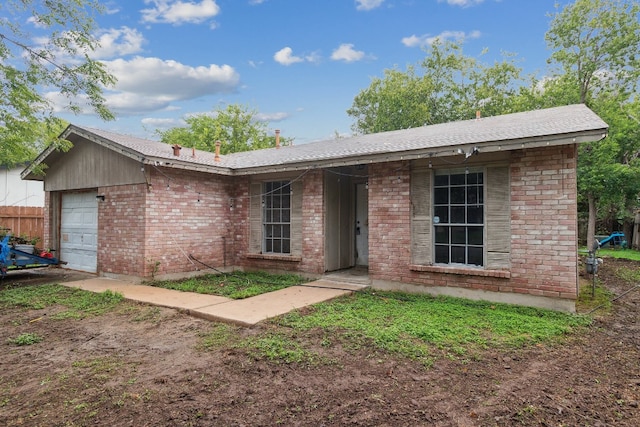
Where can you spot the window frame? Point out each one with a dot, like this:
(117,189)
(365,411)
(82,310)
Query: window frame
(438,226)
(276,217)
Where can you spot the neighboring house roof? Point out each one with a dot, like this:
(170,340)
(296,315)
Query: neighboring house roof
(553,126)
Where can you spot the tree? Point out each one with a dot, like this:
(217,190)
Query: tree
(60,61)
(595,45)
(396,101)
(235,126)
(449,86)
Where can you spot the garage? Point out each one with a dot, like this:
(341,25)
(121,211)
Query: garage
(79,231)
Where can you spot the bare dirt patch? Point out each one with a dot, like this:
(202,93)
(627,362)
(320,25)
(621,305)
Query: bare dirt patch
(142,366)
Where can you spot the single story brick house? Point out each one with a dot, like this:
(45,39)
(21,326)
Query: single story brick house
(483,208)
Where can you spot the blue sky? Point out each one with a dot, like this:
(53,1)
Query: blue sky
(298,63)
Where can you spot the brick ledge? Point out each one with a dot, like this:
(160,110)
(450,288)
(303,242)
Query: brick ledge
(501,274)
(272,257)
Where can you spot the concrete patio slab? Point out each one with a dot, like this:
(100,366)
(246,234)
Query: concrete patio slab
(245,312)
(252,310)
(150,294)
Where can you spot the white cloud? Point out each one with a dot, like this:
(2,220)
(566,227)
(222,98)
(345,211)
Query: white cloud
(178,12)
(271,117)
(426,39)
(157,77)
(118,42)
(346,52)
(313,57)
(158,123)
(152,84)
(368,4)
(35,22)
(462,3)
(113,42)
(285,56)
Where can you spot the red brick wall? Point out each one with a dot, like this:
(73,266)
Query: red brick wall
(121,230)
(240,220)
(389,220)
(544,227)
(187,213)
(313,222)
(544,221)
(312,260)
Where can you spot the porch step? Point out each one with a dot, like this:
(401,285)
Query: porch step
(354,276)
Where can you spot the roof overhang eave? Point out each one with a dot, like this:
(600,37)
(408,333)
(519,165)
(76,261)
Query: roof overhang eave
(432,152)
(127,152)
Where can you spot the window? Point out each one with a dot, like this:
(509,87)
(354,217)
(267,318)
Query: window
(458,217)
(276,218)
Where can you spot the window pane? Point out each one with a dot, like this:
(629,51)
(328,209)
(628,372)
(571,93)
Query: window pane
(441,180)
(475,256)
(457,215)
(441,196)
(442,254)
(457,195)
(442,234)
(286,246)
(459,207)
(458,254)
(277,216)
(472,195)
(458,179)
(442,212)
(475,235)
(459,235)
(474,215)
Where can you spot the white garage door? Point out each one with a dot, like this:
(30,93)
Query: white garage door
(79,231)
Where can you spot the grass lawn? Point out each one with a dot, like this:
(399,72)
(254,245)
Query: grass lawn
(620,253)
(237,285)
(412,325)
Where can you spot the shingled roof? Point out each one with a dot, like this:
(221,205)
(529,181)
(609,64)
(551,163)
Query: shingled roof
(553,126)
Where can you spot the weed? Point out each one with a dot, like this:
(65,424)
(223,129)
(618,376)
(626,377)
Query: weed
(220,335)
(412,325)
(632,276)
(25,339)
(236,285)
(279,348)
(154,266)
(149,314)
(620,253)
(80,303)
(588,298)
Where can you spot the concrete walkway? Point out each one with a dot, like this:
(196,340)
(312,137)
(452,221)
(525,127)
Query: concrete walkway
(244,312)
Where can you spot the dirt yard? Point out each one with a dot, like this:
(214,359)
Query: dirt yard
(143,367)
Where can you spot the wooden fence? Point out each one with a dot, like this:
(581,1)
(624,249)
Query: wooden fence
(25,221)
